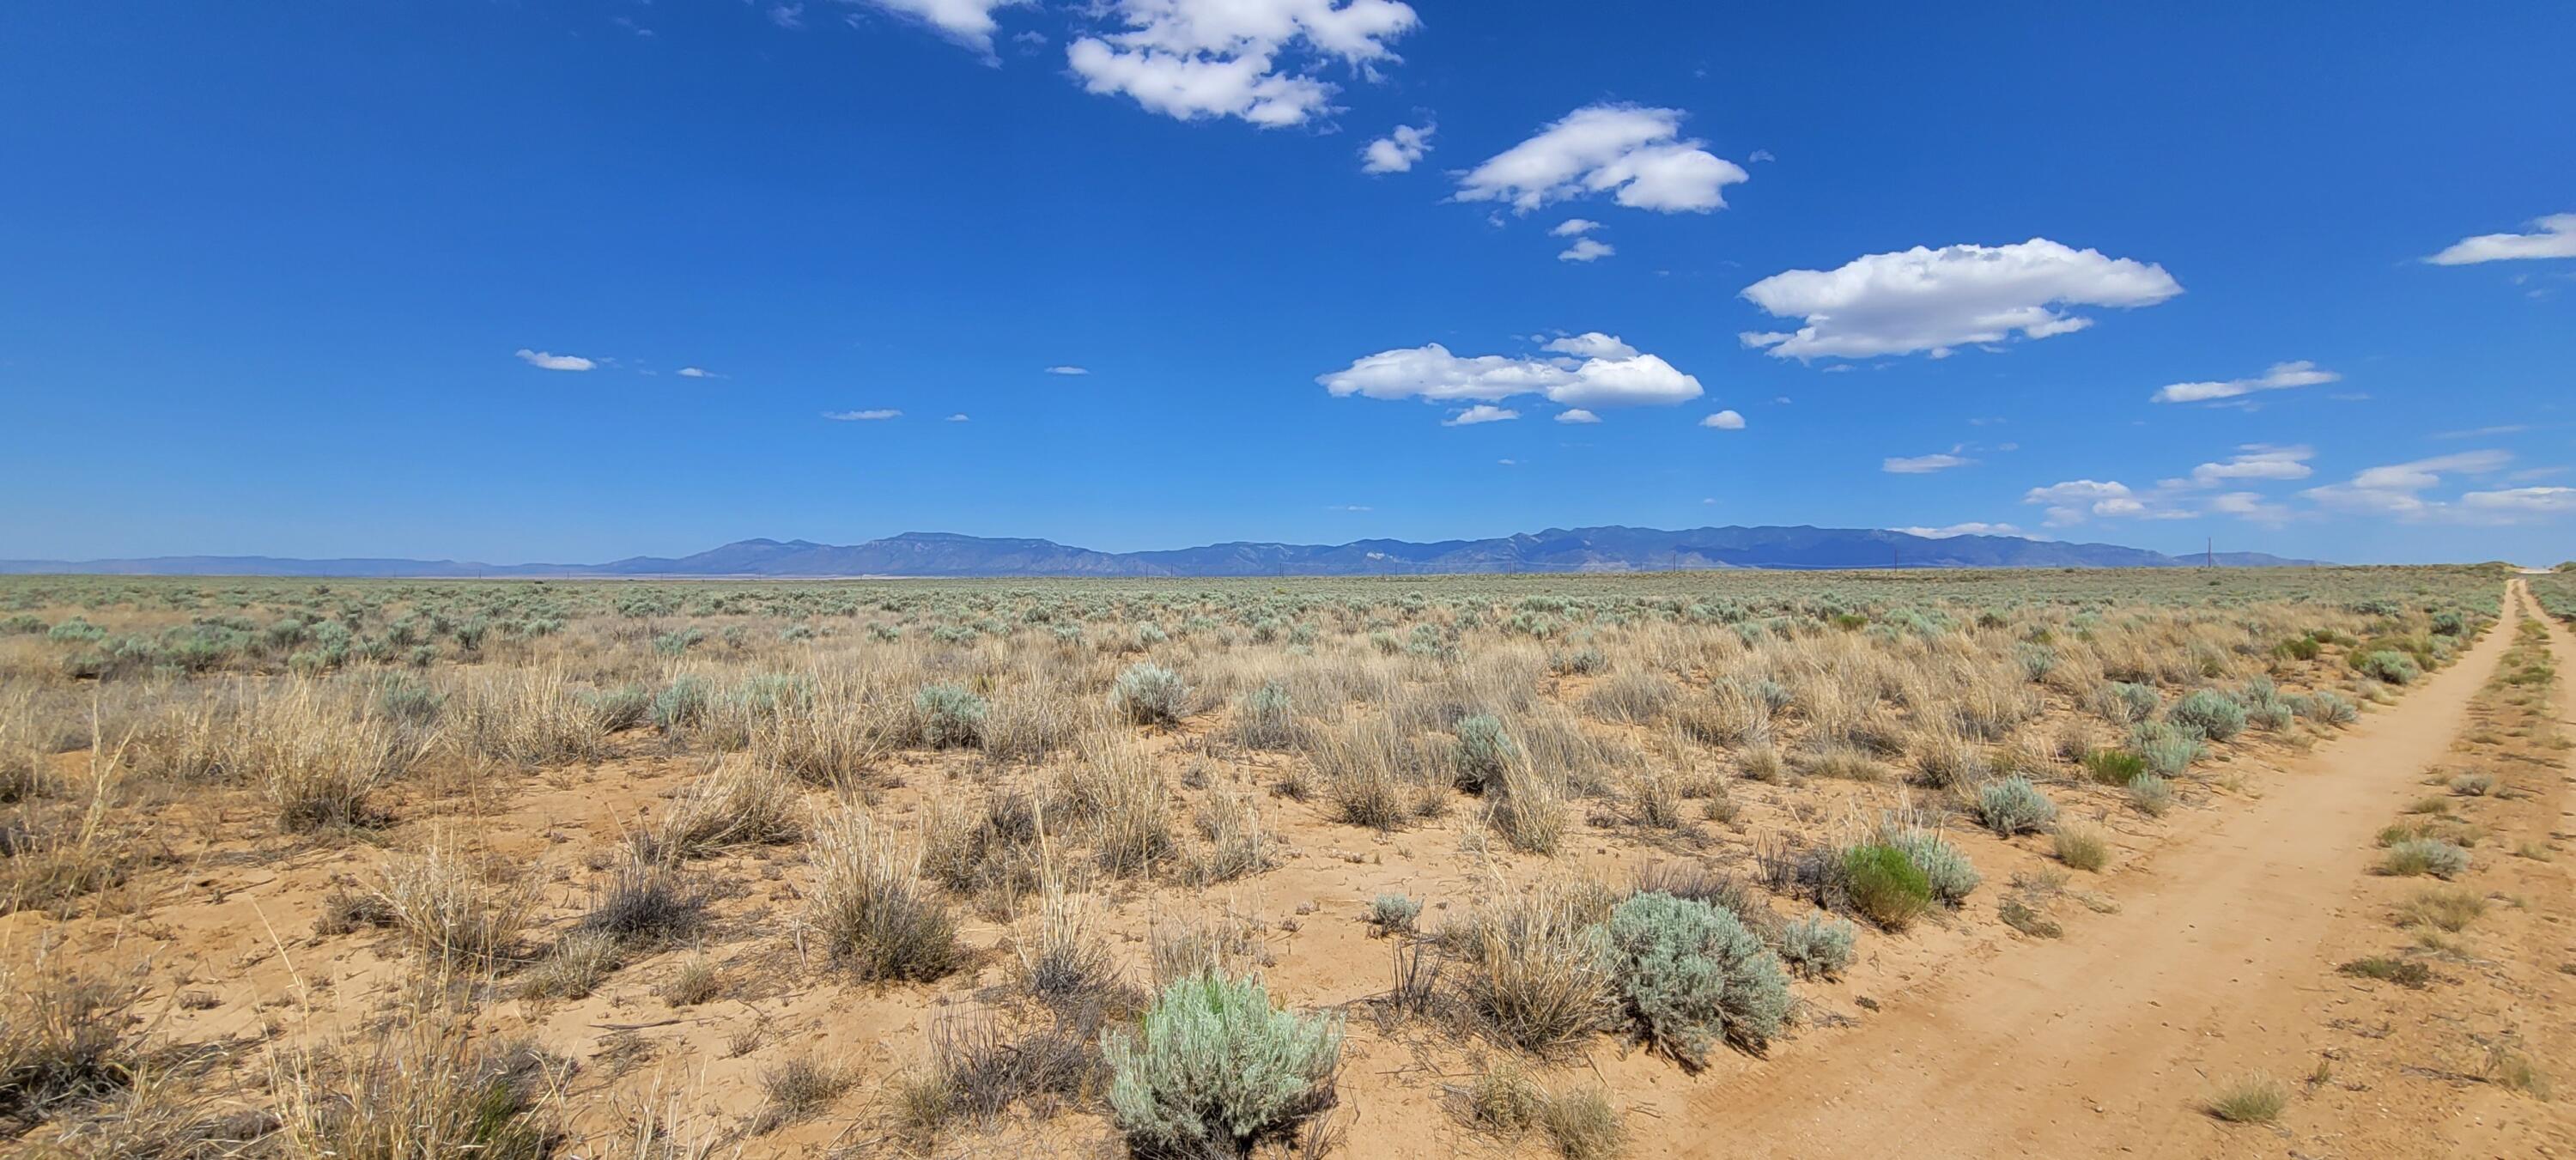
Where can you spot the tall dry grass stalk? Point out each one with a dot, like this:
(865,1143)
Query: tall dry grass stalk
(62,853)
(429,1087)
(532,716)
(465,910)
(869,905)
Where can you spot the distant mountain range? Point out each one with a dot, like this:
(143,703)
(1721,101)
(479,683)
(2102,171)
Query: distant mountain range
(1607,549)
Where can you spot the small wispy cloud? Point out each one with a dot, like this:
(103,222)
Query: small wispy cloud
(2280,377)
(1067,370)
(1922,464)
(2483,432)
(1480,413)
(698,373)
(555,362)
(1577,415)
(959,417)
(862,416)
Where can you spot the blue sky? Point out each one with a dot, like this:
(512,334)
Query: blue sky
(313,279)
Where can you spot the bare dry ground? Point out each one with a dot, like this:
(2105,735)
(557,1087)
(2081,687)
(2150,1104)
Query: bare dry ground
(699,870)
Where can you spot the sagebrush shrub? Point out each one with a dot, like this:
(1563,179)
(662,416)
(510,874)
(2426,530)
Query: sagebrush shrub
(1212,1069)
(1690,973)
(2388,665)
(2125,702)
(1394,913)
(2327,708)
(2014,806)
(1818,946)
(1945,869)
(2150,793)
(2169,749)
(1266,719)
(2214,714)
(1484,751)
(951,715)
(2432,856)
(1149,694)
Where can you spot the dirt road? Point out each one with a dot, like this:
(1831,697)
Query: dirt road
(2107,1042)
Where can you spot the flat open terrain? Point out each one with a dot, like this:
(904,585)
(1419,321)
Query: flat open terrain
(2179,863)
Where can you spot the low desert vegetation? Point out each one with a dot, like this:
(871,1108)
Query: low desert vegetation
(1072,831)
(2249,1099)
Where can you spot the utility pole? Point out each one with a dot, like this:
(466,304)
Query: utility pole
(2210,547)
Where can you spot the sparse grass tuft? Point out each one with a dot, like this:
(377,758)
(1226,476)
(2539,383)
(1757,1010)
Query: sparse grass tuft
(795,1088)
(874,913)
(1535,974)
(2249,1099)
(1583,1125)
(2403,972)
(462,910)
(2082,847)
(2443,908)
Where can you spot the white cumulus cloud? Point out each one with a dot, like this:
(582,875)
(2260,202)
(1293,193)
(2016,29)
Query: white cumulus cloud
(1936,300)
(1480,413)
(1573,227)
(959,417)
(1636,154)
(968,22)
(2551,237)
(1397,151)
(698,373)
(2281,376)
(862,416)
(555,362)
(1577,415)
(1590,344)
(1586,250)
(2257,461)
(1589,370)
(1726,420)
(1252,59)
(2071,501)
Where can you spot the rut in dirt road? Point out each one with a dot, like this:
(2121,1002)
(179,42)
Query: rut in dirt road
(2108,1040)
